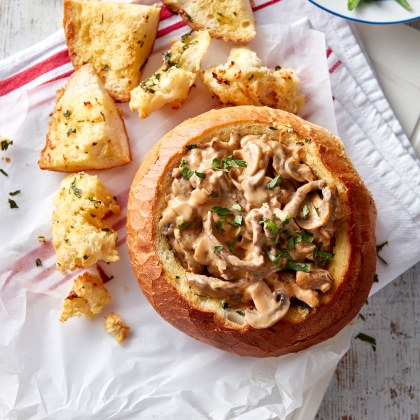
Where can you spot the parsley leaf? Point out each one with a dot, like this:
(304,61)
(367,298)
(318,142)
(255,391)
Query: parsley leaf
(218,248)
(186,173)
(305,211)
(221,211)
(5,144)
(237,221)
(231,247)
(379,249)
(14,193)
(367,339)
(275,182)
(296,266)
(200,174)
(12,204)
(4,172)
(77,191)
(228,161)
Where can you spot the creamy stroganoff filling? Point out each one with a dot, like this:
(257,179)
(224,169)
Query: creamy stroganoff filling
(252,226)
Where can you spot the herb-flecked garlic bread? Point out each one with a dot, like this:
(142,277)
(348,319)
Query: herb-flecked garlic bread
(231,20)
(116,38)
(249,229)
(86,131)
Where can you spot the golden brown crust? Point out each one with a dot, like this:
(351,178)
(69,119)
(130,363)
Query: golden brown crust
(342,303)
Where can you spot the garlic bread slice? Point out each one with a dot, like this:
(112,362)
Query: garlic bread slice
(86,131)
(172,82)
(117,38)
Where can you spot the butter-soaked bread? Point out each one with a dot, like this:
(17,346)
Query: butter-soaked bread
(231,20)
(116,38)
(172,82)
(249,229)
(81,235)
(244,81)
(86,131)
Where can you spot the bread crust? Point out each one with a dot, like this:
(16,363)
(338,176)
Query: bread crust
(340,305)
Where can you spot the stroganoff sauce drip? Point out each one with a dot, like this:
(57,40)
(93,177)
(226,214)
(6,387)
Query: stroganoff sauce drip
(252,225)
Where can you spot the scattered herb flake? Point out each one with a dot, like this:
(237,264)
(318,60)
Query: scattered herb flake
(14,193)
(186,173)
(105,67)
(273,128)
(200,174)
(67,114)
(190,147)
(5,144)
(4,172)
(287,220)
(85,257)
(12,204)
(307,140)
(184,225)
(177,277)
(103,116)
(290,243)
(375,278)
(242,313)
(71,131)
(218,248)
(228,162)
(77,191)
(362,317)
(221,211)
(367,339)
(237,207)
(231,247)
(379,249)
(38,262)
(237,221)
(224,304)
(296,266)
(41,238)
(305,211)
(275,182)
(219,225)
(214,194)
(106,230)
(277,68)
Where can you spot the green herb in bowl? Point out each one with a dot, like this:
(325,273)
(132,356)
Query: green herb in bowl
(352,4)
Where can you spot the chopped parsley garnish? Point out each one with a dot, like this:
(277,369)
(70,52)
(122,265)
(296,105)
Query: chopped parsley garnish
(41,238)
(177,277)
(274,258)
(103,116)
(85,257)
(185,36)
(237,207)
(67,114)
(242,313)
(270,225)
(231,247)
(167,56)
(184,225)
(228,162)
(12,204)
(186,173)
(14,193)
(277,68)
(290,243)
(222,211)
(219,225)
(308,140)
(224,304)
(191,146)
(38,262)
(300,143)
(105,67)
(4,172)
(76,191)
(5,144)
(296,266)
(106,230)
(379,249)
(218,248)
(362,317)
(375,278)
(214,194)
(304,236)
(287,220)
(273,128)
(305,211)
(367,339)
(71,131)
(200,174)
(275,182)
(237,221)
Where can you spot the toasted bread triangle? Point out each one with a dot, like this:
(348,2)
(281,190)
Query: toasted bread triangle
(117,38)
(86,131)
(231,20)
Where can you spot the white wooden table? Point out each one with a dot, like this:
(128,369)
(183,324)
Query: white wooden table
(366,385)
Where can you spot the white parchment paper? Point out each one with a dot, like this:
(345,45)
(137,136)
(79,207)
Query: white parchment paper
(50,370)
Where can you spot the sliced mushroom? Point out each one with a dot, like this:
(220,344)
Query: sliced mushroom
(319,210)
(270,306)
(310,297)
(293,206)
(316,279)
(221,289)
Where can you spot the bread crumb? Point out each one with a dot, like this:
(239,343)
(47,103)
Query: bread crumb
(116,327)
(88,297)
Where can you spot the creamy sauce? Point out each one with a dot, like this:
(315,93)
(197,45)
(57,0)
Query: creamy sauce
(251,225)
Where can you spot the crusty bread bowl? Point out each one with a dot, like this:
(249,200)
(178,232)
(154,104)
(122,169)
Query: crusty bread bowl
(207,317)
